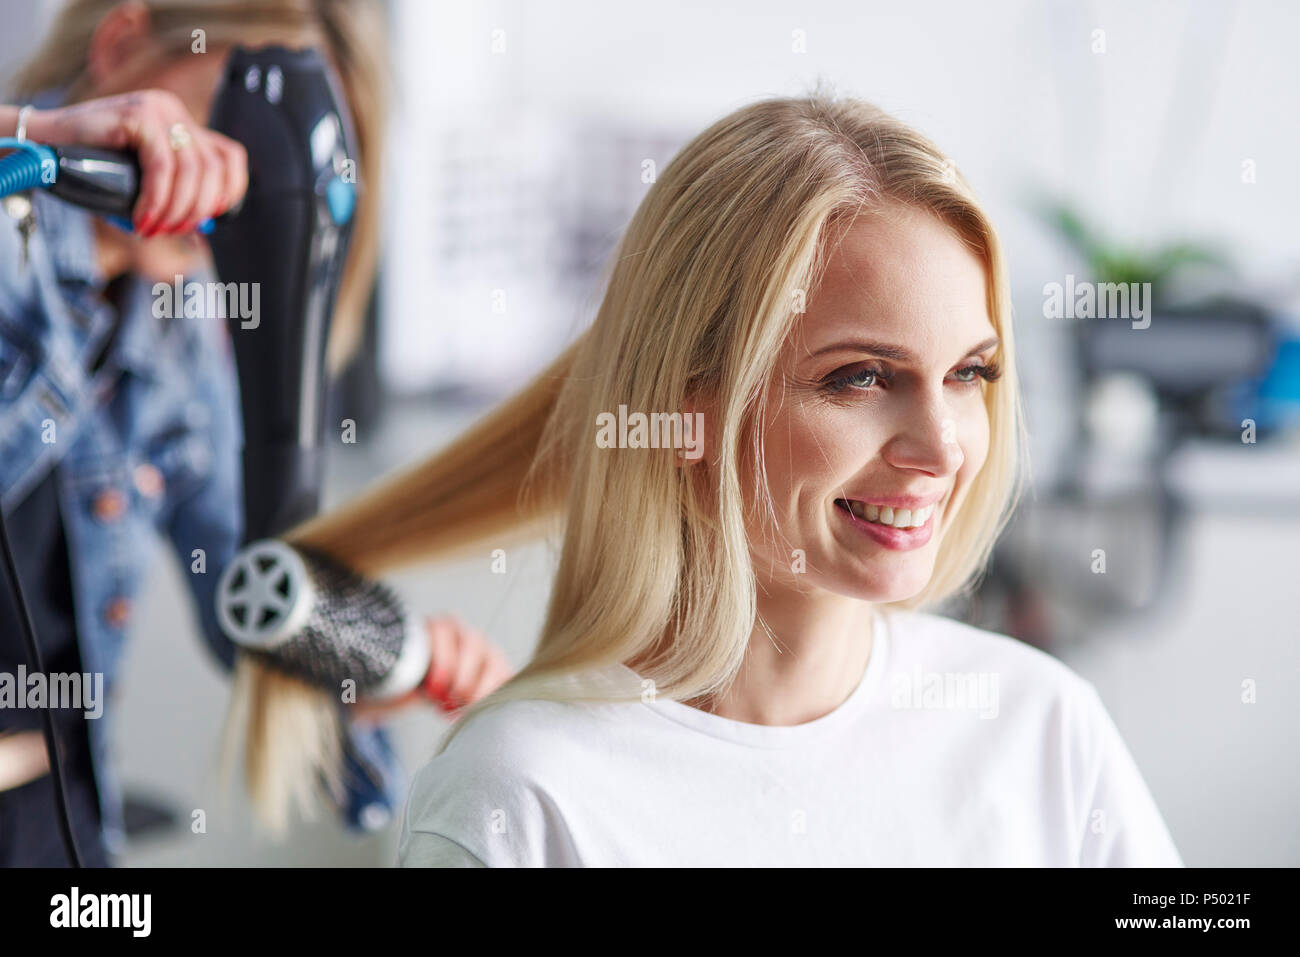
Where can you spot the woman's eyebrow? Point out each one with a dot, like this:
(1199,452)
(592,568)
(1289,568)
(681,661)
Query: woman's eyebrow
(897,353)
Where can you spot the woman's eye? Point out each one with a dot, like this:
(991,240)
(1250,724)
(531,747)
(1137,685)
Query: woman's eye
(859,379)
(989,372)
(863,380)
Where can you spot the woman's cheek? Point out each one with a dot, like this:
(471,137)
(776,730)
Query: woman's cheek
(973,436)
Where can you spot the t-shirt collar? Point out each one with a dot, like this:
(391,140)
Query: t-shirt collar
(786,736)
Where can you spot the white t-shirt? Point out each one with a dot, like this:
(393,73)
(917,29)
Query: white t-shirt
(959,747)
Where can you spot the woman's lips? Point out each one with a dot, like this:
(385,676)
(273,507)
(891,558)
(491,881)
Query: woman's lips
(896,539)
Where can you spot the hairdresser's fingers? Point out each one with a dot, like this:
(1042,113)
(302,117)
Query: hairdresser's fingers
(236,166)
(157,171)
(224,178)
(496,672)
(190,168)
(471,659)
(212,183)
(442,650)
(484,664)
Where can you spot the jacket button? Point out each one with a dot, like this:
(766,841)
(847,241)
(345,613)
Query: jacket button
(374,817)
(117,611)
(149,480)
(109,505)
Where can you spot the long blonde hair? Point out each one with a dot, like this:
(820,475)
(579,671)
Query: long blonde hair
(655,568)
(351,35)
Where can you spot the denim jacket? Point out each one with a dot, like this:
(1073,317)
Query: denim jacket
(151,441)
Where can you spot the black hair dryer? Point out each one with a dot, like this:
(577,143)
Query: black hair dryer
(285,245)
(290,237)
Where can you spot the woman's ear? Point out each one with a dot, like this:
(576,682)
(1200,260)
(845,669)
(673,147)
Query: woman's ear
(118,38)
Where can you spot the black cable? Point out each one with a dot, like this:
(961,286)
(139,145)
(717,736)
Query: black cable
(47,721)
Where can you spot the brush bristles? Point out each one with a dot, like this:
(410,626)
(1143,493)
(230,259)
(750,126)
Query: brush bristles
(354,633)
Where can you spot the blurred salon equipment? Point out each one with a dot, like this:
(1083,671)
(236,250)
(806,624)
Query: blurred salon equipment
(1204,391)
(288,240)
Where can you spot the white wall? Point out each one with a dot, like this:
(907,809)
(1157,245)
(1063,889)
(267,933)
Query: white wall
(1148,137)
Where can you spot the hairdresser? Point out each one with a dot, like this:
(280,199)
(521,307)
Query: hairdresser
(118,428)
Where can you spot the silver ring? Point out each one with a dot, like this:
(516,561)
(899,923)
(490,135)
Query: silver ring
(178,137)
(21,132)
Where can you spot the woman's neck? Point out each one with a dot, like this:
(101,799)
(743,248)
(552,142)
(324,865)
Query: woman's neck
(806,655)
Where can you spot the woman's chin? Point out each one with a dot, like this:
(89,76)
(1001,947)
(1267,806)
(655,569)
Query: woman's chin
(893,584)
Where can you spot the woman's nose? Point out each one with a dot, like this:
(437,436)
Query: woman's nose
(928,439)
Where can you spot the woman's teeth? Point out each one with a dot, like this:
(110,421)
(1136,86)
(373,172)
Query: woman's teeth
(897,517)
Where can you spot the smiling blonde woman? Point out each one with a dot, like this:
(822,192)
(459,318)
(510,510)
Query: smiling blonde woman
(737,666)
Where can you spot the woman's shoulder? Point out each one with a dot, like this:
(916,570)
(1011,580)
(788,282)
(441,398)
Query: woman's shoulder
(494,790)
(519,736)
(934,643)
(939,662)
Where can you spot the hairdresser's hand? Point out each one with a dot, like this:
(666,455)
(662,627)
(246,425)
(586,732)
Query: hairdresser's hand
(180,187)
(465,665)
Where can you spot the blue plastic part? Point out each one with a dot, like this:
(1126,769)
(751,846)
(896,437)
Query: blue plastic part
(31,166)
(25,169)
(1282,382)
(342,200)
(1272,400)
(204,227)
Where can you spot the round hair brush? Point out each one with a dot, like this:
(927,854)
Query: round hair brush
(311,617)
